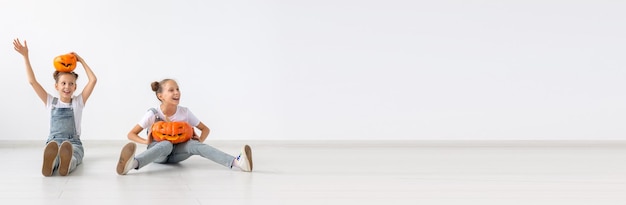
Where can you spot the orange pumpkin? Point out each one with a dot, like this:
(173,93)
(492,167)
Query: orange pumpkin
(175,132)
(65,63)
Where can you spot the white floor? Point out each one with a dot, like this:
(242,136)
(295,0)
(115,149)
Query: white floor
(357,172)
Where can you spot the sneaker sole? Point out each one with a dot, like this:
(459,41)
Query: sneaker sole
(125,157)
(65,155)
(248,151)
(49,155)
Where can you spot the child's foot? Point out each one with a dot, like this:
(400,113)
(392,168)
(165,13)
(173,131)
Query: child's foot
(127,157)
(244,160)
(65,155)
(49,155)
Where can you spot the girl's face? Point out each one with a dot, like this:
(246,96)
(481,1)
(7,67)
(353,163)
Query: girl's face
(170,93)
(66,85)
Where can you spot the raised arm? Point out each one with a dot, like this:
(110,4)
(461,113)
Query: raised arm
(23,50)
(90,75)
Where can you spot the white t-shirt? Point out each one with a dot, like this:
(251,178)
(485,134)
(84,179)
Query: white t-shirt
(77,106)
(182,115)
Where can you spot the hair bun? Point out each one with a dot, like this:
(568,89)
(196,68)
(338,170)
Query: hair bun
(155,86)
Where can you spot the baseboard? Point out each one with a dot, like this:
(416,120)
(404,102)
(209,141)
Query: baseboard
(363,143)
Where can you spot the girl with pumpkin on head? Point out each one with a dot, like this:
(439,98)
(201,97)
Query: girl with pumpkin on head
(64,150)
(171,139)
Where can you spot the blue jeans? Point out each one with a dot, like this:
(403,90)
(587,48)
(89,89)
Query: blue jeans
(164,152)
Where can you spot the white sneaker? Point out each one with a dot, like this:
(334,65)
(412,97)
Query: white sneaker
(127,156)
(244,160)
(65,158)
(49,156)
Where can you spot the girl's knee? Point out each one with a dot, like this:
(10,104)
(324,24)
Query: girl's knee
(165,144)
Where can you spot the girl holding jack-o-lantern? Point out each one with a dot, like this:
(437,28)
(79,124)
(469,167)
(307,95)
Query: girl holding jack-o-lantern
(171,137)
(63,150)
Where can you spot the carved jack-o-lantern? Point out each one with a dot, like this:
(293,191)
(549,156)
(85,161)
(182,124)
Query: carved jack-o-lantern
(65,63)
(175,132)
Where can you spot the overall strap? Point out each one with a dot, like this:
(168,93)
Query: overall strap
(156,115)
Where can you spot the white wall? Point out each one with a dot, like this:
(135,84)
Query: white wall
(340,69)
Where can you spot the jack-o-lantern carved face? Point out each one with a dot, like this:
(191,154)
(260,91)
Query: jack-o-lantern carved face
(65,63)
(175,132)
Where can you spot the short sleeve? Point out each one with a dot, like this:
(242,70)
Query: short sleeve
(192,119)
(147,120)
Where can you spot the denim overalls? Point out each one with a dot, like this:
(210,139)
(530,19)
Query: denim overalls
(63,128)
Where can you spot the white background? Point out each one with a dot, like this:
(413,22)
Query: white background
(330,70)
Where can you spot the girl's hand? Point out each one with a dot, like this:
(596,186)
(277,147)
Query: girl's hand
(78,58)
(195,136)
(22,49)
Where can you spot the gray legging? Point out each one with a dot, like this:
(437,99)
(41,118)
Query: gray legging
(164,152)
